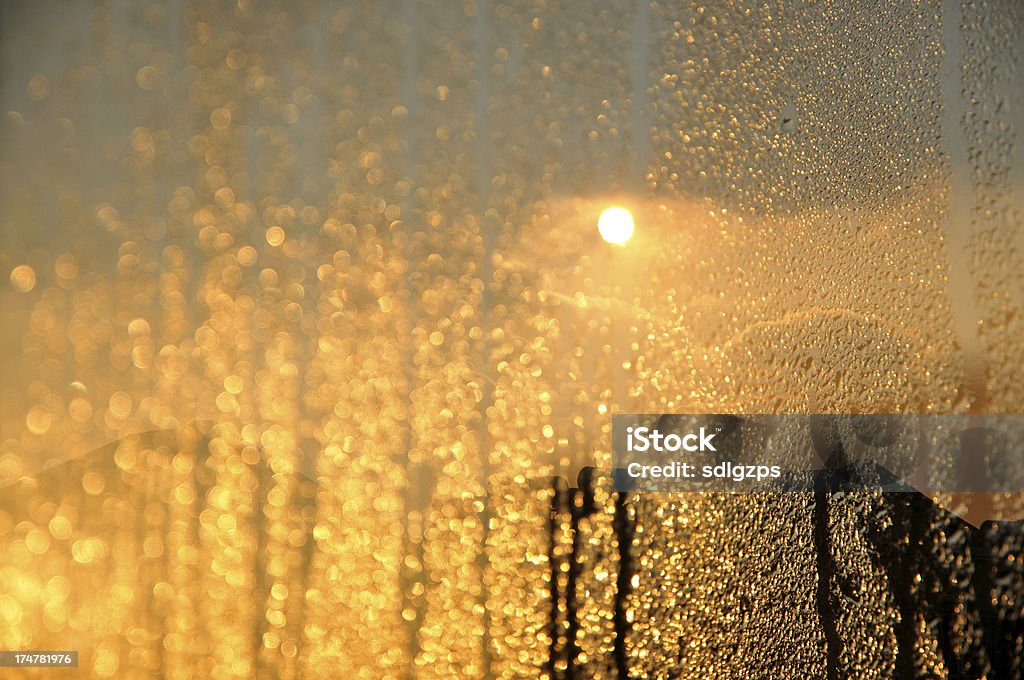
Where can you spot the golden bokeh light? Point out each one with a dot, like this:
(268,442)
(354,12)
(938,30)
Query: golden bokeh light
(23,278)
(302,370)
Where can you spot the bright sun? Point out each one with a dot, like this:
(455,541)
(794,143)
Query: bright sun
(615,225)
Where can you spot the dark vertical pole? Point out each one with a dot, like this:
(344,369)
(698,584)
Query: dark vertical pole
(825,600)
(828,444)
(624,527)
(553,590)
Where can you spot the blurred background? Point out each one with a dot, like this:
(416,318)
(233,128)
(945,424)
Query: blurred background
(311,343)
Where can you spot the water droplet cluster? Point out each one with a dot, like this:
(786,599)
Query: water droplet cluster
(327,277)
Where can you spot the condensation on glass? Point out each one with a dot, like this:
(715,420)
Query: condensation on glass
(306,314)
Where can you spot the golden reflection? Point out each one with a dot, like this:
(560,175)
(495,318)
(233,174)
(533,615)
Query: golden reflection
(305,298)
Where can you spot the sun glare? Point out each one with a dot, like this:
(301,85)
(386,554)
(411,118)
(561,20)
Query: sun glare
(615,225)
